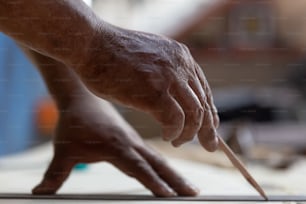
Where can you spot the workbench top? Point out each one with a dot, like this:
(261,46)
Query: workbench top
(20,173)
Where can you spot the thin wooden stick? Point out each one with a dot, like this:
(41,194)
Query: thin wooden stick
(239,165)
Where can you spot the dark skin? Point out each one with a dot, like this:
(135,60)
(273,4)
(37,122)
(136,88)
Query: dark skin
(144,71)
(147,72)
(91,130)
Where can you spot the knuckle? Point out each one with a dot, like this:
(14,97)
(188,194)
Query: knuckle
(200,112)
(185,48)
(182,46)
(176,117)
(176,44)
(158,159)
(195,117)
(140,164)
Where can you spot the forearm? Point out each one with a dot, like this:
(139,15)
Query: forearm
(62,83)
(61,29)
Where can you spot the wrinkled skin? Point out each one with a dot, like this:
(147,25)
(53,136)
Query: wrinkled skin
(157,75)
(145,71)
(91,130)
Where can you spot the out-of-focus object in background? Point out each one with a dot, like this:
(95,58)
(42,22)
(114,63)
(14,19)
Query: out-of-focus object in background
(21,88)
(251,25)
(237,43)
(291,22)
(275,145)
(46,117)
(248,50)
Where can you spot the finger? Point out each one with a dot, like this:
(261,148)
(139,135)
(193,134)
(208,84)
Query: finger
(134,165)
(171,116)
(209,96)
(207,134)
(58,171)
(181,186)
(193,113)
(212,106)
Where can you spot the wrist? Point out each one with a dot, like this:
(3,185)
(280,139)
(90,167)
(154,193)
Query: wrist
(64,100)
(96,46)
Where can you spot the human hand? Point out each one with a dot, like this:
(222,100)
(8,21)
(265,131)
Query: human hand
(145,71)
(157,75)
(90,130)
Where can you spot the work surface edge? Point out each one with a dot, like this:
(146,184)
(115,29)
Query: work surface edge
(129,197)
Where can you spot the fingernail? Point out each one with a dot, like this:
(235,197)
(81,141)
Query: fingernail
(189,190)
(194,189)
(213,144)
(171,193)
(167,192)
(166,139)
(177,143)
(170,134)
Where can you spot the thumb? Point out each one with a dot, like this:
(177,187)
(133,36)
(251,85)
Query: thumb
(57,172)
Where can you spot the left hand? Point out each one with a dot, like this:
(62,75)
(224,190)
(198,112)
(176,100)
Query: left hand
(156,75)
(90,130)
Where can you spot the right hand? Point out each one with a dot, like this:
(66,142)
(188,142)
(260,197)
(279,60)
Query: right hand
(91,130)
(156,75)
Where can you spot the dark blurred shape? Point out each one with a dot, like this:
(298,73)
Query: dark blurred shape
(297,76)
(46,117)
(21,87)
(252,112)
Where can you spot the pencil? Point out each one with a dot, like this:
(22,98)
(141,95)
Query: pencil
(239,165)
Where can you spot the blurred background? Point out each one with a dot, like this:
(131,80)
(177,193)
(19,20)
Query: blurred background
(253,55)
(251,51)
